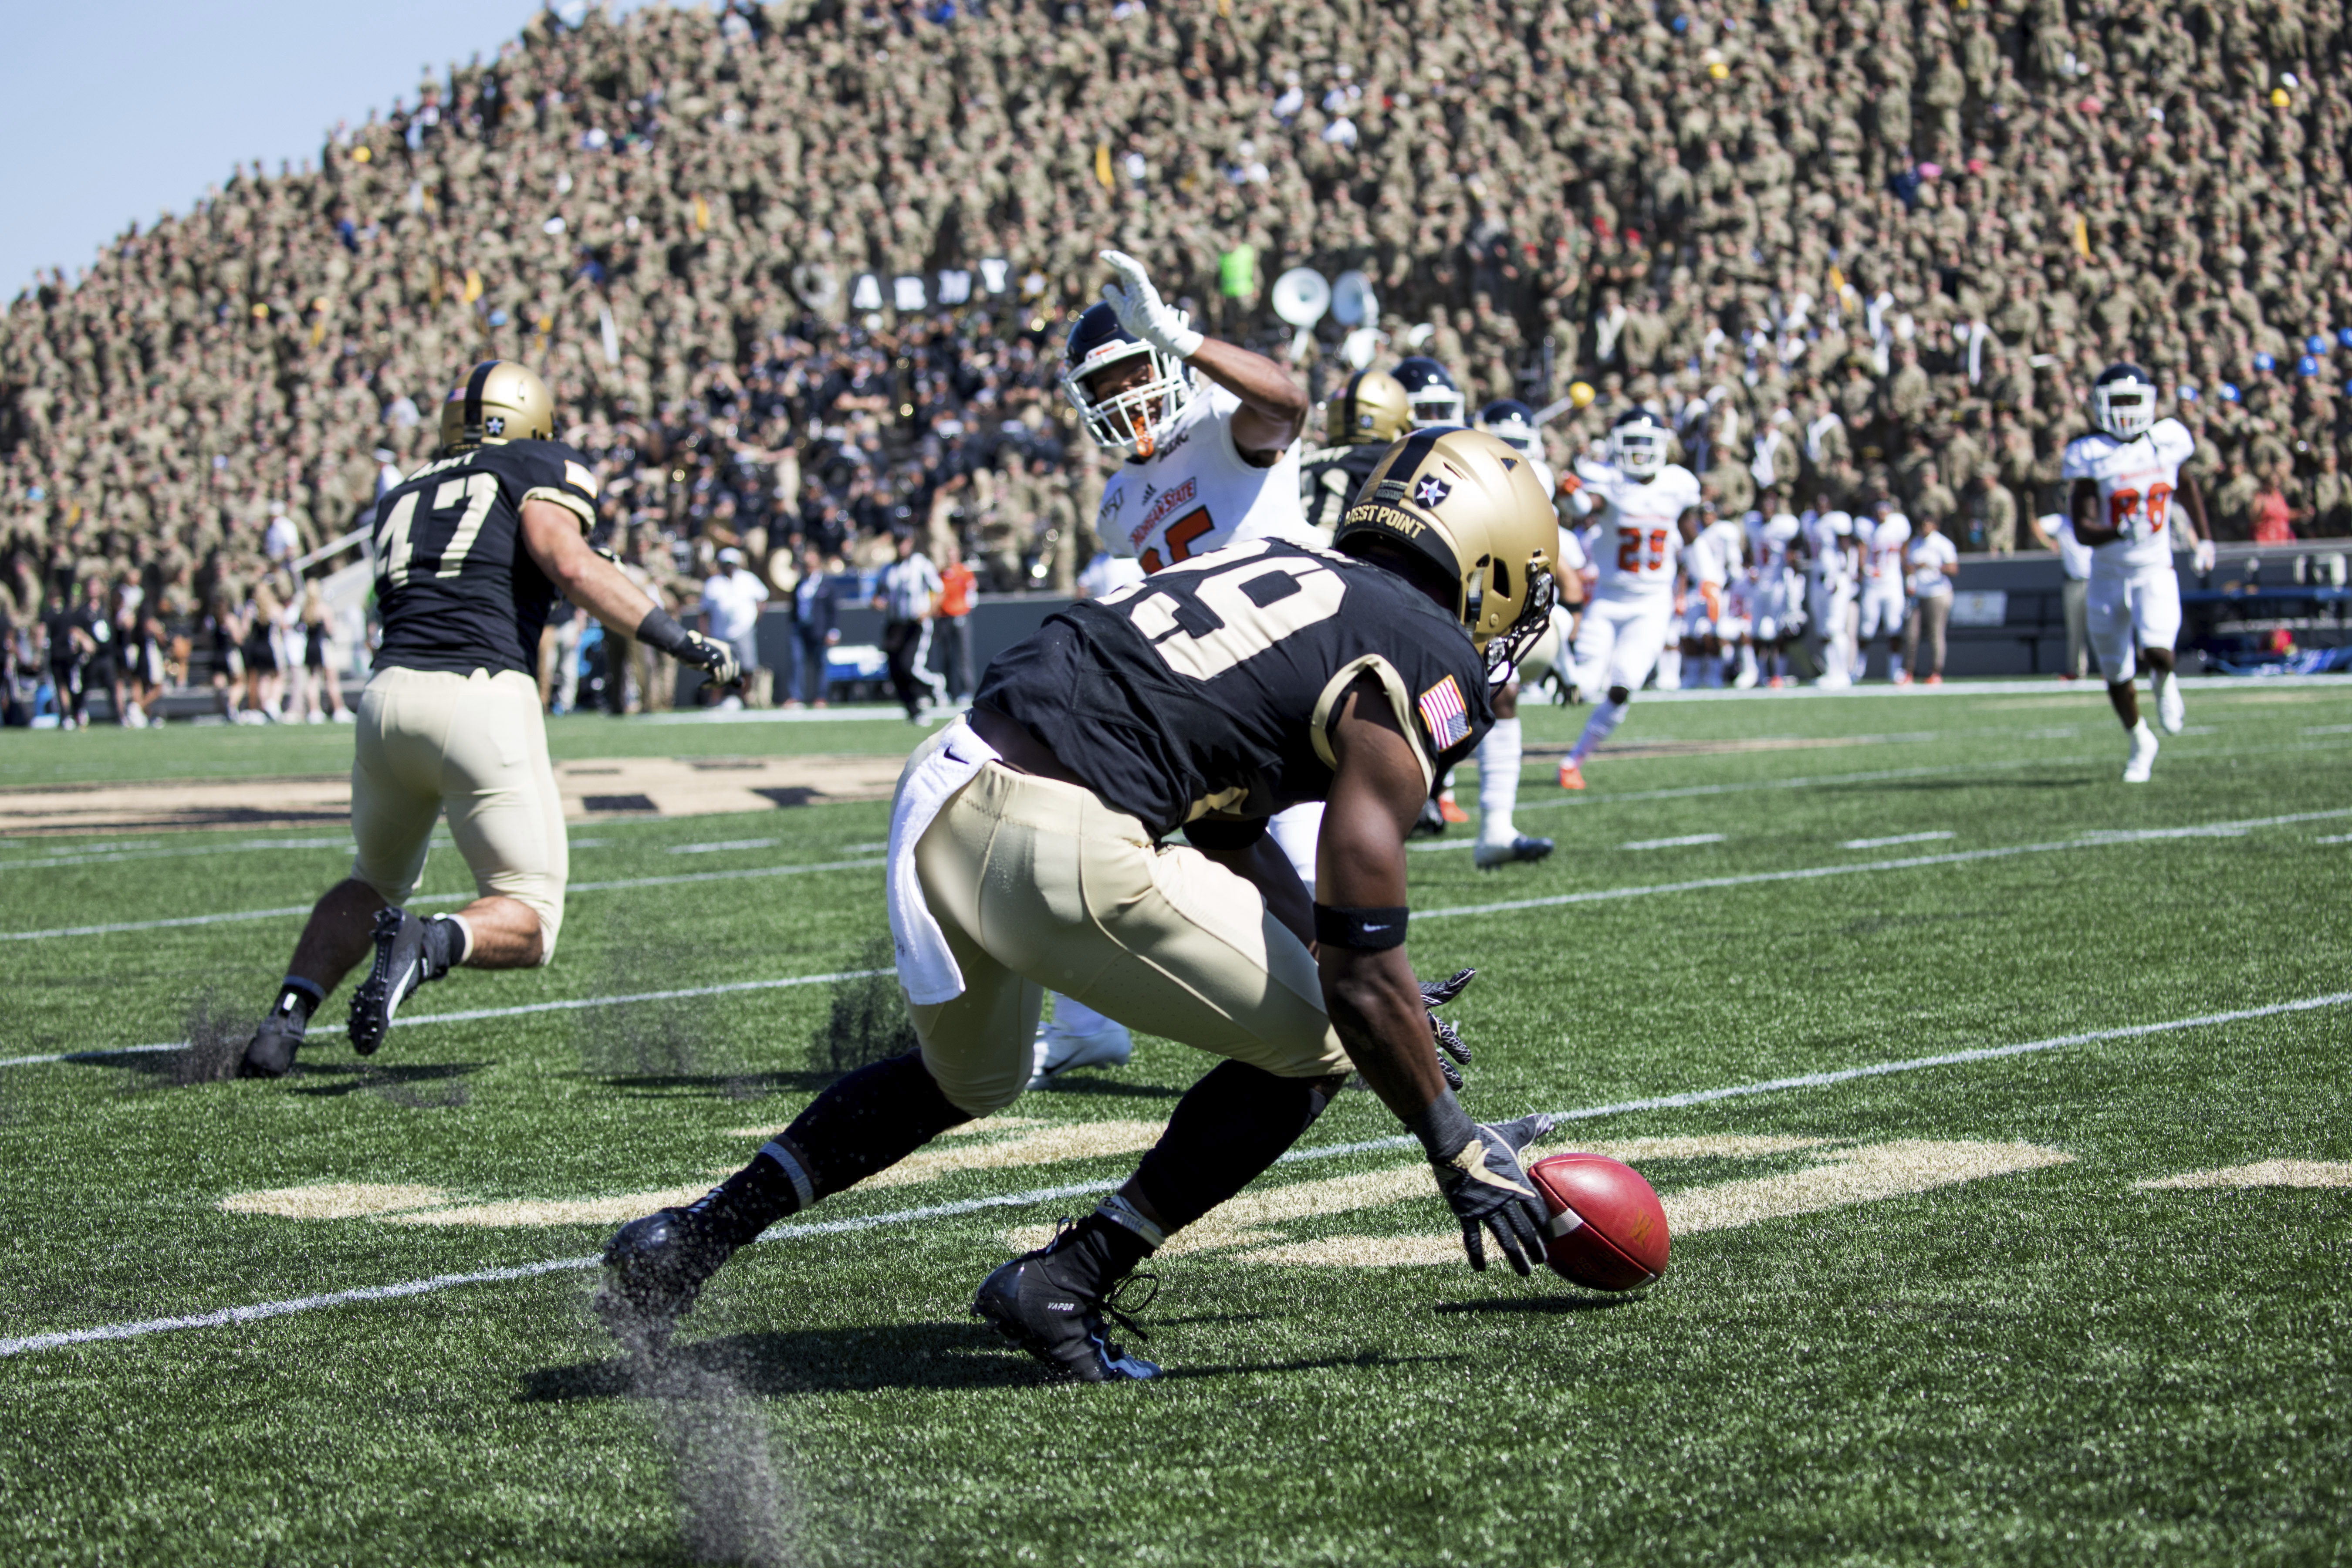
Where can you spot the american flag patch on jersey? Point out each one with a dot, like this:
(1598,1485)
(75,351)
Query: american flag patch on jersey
(1442,711)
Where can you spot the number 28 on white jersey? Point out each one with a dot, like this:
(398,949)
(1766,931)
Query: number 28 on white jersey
(1641,536)
(2136,479)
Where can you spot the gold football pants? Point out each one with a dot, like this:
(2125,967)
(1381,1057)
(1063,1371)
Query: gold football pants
(476,745)
(1040,886)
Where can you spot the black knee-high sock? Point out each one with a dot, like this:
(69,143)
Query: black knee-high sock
(1228,1129)
(874,1117)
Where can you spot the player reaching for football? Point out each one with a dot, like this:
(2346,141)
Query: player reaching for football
(2126,475)
(1205,465)
(471,551)
(1650,511)
(1030,849)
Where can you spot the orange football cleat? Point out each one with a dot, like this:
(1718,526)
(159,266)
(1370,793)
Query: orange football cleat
(1570,775)
(1451,812)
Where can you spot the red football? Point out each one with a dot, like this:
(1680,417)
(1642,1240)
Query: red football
(1608,1232)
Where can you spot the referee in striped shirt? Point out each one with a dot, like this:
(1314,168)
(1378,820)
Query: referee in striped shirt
(910,590)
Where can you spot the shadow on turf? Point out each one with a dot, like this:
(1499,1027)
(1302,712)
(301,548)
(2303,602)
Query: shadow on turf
(866,1361)
(1542,1306)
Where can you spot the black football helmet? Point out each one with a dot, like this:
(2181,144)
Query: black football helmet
(1133,419)
(1431,392)
(1511,421)
(1640,444)
(2123,400)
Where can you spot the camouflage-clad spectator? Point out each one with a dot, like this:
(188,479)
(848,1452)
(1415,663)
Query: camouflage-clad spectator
(1875,217)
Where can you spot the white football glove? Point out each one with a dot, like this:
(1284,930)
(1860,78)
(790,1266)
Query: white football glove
(1143,312)
(2204,556)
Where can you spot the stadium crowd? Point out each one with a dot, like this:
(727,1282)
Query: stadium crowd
(800,271)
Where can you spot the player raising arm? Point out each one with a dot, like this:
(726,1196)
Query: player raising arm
(1649,511)
(471,551)
(2126,475)
(1029,849)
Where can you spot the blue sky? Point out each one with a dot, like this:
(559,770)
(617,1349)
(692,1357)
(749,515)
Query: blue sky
(126,109)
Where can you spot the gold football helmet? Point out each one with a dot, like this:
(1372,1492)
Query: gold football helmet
(1370,408)
(499,401)
(1471,511)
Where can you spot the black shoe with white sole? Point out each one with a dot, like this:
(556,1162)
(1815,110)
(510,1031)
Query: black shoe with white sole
(1046,1303)
(653,1269)
(403,963)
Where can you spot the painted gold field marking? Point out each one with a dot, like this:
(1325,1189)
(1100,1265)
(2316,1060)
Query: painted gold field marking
(1846,1176)
(1034,1198)
(618,1209)
(333,1200)
(2261,1174)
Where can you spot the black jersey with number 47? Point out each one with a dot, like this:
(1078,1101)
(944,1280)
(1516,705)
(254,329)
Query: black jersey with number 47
(455,584)
(1210,686)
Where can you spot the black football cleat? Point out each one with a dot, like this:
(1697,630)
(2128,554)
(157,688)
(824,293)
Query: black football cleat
(401,966)
(654,1268)
(270,1053)
(1522,848)
(1039,1302)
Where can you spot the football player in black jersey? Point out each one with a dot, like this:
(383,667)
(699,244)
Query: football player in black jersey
(1031,849)
(471,551)
(1370,413)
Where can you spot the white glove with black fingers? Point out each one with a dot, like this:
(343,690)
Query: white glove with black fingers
(1482,1181)
(2203,554)
(1143,312)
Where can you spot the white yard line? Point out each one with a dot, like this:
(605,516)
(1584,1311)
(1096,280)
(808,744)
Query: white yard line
(1686,840)
(223,1317)
(474,1014)
(720,845)
(1899,838)
(1860,868)
(440,899)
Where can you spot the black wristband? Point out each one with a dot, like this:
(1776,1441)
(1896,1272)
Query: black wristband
(1444,1128)
(660,629)
(1369,931)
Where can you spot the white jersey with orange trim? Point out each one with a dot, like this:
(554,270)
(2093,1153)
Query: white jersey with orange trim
(1641,539)
(1196,493)
(2136,479)
(1883,542)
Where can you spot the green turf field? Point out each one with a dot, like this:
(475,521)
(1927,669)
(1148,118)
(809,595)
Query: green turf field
(1925,1315)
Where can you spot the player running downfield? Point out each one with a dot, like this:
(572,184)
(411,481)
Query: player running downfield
(1649,511)
(2126,475)
(1031,846)
(471,551)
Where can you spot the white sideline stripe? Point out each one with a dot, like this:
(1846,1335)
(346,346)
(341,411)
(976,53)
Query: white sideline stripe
(1687,839)
(1899,838)
(440,899)
(2088,841)
(102,856)
(475,1015)
(1878,775)
(227,1315)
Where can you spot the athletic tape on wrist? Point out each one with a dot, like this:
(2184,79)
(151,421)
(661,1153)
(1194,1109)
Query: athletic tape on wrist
(1368,930)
